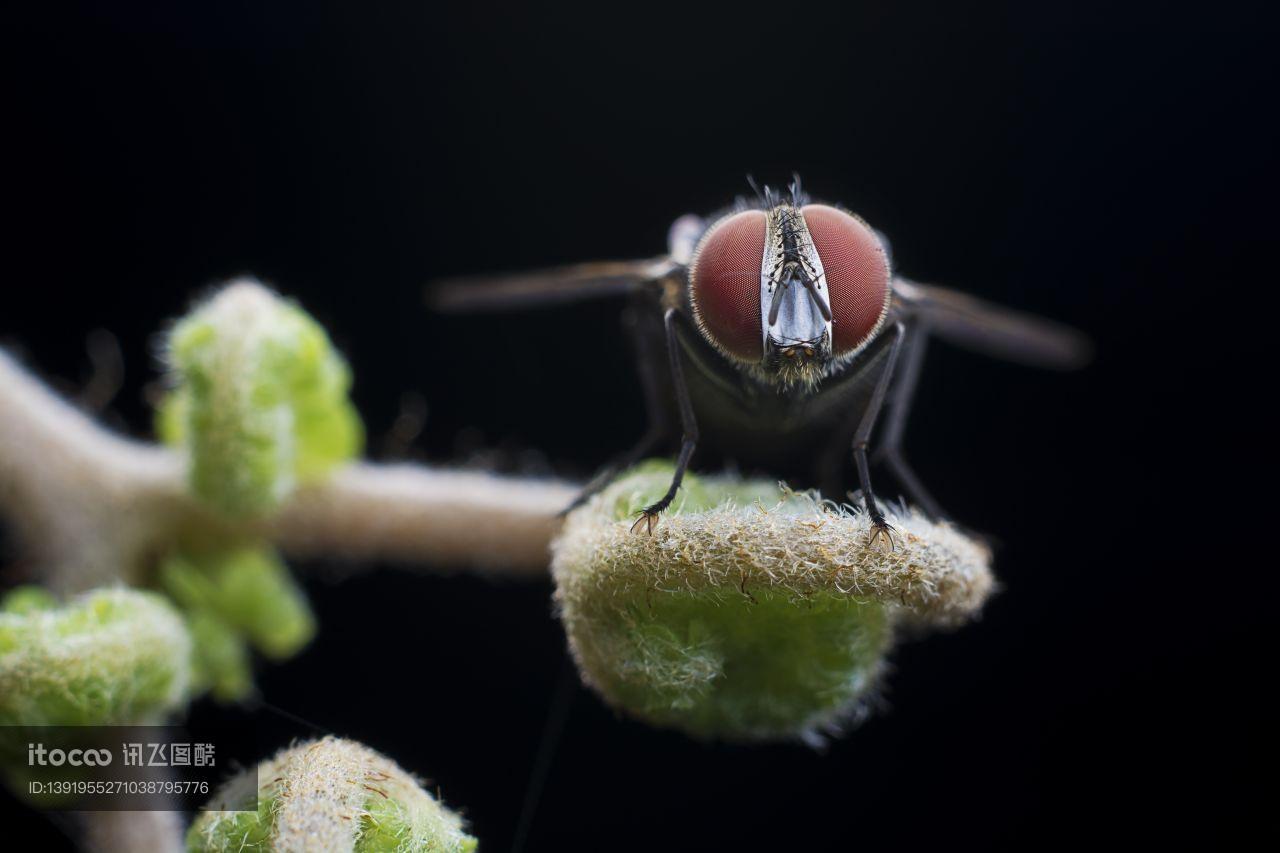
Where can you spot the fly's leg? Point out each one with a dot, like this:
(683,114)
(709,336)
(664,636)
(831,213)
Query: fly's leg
(880,529)
(688,426)
(659,428)
(890,449)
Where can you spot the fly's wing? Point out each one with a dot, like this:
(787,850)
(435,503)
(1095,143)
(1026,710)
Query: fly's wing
(990,329)
(572,283)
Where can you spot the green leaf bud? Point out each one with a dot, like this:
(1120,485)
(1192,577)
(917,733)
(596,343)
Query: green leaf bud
(110,657)
(751,612)
(222,664)
(250,589)
(260,400)
(234,598)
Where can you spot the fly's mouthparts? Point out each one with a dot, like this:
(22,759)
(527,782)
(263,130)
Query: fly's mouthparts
(801,349)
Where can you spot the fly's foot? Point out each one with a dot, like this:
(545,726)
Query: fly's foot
(882,536)
(649,517)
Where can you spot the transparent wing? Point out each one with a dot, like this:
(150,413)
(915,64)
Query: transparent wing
(546,287)
(990,329)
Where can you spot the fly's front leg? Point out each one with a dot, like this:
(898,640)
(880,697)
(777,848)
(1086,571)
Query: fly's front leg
(880,528)
(688,426)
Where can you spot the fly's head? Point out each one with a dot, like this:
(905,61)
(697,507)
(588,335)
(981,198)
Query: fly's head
(791,291)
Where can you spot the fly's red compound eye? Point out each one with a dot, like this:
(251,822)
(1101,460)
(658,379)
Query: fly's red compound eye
(725,283)
(857,273)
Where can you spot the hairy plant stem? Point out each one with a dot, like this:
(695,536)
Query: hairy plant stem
(92,507)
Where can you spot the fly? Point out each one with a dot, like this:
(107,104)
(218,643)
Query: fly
(776,333)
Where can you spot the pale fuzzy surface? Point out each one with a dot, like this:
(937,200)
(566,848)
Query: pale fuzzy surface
(249,445)
(320,794)
(934,574)
(83,501)
(321,797)
(243,303)
(409,514)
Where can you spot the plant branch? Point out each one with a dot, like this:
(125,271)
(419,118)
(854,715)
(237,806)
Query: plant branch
(91,506)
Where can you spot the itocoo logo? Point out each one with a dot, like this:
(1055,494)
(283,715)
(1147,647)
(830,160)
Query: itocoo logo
(37,754)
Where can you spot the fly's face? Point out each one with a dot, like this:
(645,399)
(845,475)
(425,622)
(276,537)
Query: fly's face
(790,292)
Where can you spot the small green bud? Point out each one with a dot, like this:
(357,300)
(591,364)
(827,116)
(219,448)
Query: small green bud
(235,597)
(260,400)
(221,664)
(751,612)
(331,794)
(110,657)
(250,589)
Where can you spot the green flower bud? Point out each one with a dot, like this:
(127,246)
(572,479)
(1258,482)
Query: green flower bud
(260,400)
(333,795)
(751,612)
(110,657)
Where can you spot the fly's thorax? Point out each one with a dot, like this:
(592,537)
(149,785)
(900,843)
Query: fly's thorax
(790,293)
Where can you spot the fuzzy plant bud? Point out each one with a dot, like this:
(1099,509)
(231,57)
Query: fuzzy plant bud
(260,399)
(751,612)
(332,795)
(109,657)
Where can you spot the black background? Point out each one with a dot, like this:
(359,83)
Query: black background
(1110,171)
